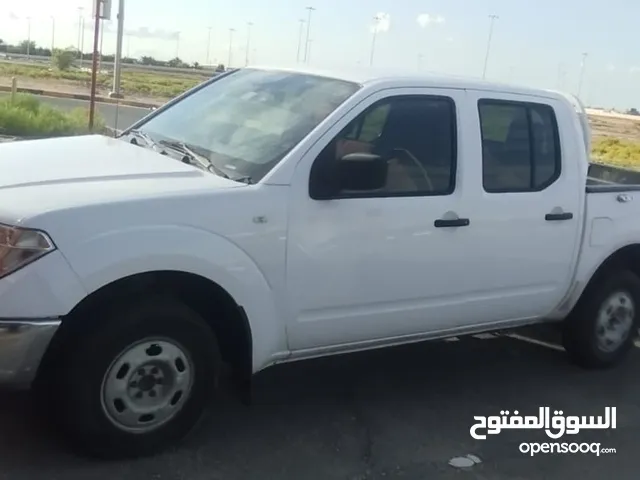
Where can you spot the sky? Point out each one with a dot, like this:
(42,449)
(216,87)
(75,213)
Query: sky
(536,43)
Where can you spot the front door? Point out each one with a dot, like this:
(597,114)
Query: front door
(386,263)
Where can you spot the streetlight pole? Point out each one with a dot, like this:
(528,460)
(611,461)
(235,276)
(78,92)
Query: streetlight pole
(486,58)
(306,46)
(209,46)
(231,30)
(246,59)
(376,20)
(53,34)
(80,28)
(94,68)
(101,41)
(28,37)
(117,61)
(299,39)
(584,59)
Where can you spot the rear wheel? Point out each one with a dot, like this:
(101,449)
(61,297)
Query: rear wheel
(601,330)
(139,382)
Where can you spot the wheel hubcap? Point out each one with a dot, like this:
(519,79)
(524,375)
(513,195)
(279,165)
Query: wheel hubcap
(615,321)
(146,385)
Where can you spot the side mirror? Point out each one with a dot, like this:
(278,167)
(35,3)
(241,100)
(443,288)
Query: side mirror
(362,172)
(354,173)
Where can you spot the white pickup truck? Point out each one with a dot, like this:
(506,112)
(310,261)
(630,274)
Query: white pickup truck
(273,215)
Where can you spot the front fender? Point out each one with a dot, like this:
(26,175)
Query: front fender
(110,256)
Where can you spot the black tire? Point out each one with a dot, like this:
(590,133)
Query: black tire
(580,338)
(77,389)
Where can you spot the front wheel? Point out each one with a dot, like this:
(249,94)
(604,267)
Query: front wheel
(140,381)
(601,330)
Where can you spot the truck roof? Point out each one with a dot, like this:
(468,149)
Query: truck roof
(398,77)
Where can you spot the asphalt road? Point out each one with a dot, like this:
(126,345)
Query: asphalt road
(115,116)
(395,413)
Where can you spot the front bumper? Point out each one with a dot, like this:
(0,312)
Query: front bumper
(23,343)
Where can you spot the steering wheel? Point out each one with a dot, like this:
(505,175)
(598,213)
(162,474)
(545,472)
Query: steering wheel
(406,153)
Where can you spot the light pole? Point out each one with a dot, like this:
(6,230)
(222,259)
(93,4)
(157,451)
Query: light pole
(309,50)
(101,41)
(584,59)
(177,44)
(306,46)
(301,21)
(209,46)
(80,33)
(376,20)
(486,58)
(53,34)
(28,38)
(246,59)
(117,61)
(231,30)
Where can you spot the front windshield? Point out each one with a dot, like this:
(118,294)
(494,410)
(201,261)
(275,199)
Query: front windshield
(247,121)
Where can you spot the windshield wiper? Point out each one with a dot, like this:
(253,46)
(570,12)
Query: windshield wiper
(247,179)
(194,157)
(137,133)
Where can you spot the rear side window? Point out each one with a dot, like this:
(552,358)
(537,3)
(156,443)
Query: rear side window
(520,146)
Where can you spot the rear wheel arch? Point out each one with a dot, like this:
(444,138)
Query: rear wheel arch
(625,258)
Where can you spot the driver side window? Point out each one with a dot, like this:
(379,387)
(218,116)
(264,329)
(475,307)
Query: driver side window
(414,134)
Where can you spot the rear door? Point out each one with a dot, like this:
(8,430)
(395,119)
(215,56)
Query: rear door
(528,211)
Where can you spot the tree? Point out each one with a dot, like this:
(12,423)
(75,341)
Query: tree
(27,46)
(148,60)
(220,68)
(177,63)
(63,59)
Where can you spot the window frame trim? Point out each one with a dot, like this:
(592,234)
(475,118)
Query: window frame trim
(418,193)
(528,105)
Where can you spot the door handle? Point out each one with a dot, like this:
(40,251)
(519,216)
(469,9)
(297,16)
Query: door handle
(555,217)
(455,222)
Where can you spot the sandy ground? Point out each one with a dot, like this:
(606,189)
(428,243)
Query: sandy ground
(614,125)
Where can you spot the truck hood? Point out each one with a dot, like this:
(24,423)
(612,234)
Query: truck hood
(42,175)
(81,159)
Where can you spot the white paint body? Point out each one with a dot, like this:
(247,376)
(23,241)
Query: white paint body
(316,277)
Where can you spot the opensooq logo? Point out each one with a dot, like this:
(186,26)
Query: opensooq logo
(555,426)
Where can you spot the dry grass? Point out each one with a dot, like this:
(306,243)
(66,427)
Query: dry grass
(159,85)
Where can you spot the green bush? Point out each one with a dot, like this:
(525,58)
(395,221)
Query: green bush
(63,59)
(26,116)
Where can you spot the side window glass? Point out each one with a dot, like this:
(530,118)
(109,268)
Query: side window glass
(546,150)
(415,135)
(520,150)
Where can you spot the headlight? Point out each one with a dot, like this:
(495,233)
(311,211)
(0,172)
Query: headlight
(21,246)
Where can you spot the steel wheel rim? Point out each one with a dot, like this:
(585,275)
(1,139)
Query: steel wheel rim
(615,321)
(147,385)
